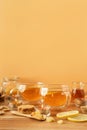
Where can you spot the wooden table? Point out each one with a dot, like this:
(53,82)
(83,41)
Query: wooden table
(12,122)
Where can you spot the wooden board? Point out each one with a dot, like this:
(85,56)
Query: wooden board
(12,122)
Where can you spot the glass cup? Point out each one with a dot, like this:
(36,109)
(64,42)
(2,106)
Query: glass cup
(2,96)
(10,91)
(33,94)
(55,96)
(9,83)
(30,92)
(78,93)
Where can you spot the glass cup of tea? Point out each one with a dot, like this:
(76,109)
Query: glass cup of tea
(78,93)
(10,91)
(30,92)
(55,96)
(33,94)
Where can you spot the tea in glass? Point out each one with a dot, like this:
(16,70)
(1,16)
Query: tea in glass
(57,95)
(10,91)
(31,94)
(55,98)
(78,91)
(30,91)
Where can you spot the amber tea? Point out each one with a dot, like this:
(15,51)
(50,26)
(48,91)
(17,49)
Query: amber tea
(77,93)
(55,98)
(31,94)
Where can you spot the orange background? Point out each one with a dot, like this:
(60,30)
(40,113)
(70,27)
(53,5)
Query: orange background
(44,40)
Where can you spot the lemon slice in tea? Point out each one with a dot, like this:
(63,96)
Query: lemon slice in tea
(68,114)
(78,118)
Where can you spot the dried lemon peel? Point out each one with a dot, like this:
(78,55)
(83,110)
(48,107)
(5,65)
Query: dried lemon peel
(64,115)
(78,118)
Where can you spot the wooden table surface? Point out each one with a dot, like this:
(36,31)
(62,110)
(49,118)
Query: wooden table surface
(12,122)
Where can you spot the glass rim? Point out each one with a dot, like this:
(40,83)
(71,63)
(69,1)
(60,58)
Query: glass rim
(58,85)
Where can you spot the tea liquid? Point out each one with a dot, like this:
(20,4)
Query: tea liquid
(77,93)
(31,94)
(55,98)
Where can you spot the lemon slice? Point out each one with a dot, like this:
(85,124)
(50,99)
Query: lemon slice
(67,114)
(78,118)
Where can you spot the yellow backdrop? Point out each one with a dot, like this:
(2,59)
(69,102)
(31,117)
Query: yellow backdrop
(44,40)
